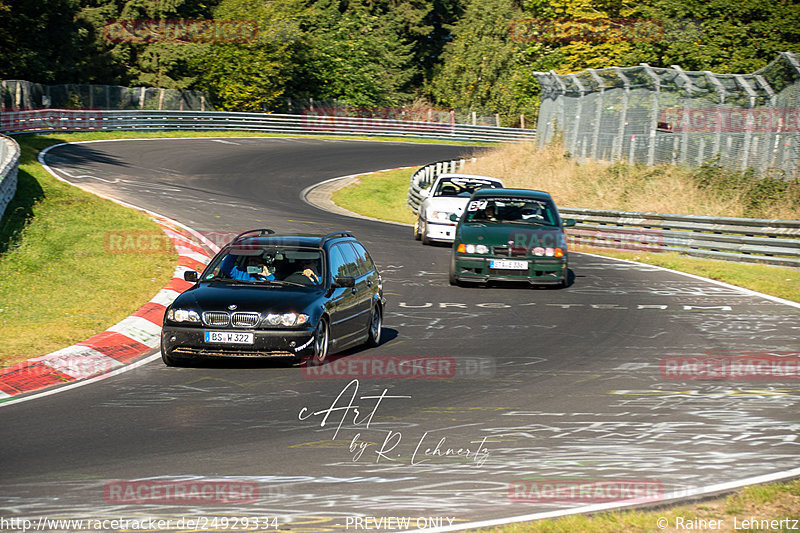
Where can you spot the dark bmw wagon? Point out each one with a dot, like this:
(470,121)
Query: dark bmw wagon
(268,295)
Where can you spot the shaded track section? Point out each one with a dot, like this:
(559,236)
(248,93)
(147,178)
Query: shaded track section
(548,384)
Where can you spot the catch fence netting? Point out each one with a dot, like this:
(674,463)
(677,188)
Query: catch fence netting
(18,95)
(655,115)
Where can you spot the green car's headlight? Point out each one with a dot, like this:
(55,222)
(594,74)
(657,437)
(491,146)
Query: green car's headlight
(472,249)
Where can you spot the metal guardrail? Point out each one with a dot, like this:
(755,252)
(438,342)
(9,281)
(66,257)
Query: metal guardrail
(50,120)
(9,164)
(769,241)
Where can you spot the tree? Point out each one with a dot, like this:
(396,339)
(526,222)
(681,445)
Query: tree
(720,35)
(251,76)
(351,54)
(482,69)
(40,40)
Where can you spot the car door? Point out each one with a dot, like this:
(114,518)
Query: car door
(342,302)
(370,276)
(364,285)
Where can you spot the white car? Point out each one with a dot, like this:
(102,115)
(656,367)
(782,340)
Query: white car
(448,195)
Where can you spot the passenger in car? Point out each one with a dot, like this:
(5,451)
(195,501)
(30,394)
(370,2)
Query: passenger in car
(254,269)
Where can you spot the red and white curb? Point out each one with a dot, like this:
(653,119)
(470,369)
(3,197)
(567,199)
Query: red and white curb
(124,342)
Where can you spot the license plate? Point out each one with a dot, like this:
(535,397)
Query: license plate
(229,337)
(505,264)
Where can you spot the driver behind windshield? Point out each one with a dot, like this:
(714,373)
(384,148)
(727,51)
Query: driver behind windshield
(308,268)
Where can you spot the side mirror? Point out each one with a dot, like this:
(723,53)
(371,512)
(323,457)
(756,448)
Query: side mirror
(344,281)
(569,222)
(191,275)
(453,217)
(424,193)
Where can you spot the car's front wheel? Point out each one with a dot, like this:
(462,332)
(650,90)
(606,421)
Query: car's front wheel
(453,277)
(169,361)
(375,326)
(423,231)
(417,234)
(321,339)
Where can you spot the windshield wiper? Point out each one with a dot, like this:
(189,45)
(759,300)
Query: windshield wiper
(538,223)
(284,282)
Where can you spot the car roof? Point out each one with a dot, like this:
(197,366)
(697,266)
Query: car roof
(521,193)
(260,237)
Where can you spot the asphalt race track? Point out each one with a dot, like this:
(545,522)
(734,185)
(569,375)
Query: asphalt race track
(549,385)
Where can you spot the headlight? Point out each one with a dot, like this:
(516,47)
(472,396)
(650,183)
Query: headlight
(440,215)
(472,248)
(183,315)
(286,319)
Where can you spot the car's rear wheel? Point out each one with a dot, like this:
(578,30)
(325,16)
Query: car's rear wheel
(321,339)
(375,326)
(417,234)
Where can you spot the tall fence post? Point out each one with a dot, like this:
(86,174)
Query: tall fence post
(623,117)
(573,149)
(655,111)
(684,153)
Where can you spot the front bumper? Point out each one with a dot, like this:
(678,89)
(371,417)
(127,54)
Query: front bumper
(439,231)
(541,270)
(188,343)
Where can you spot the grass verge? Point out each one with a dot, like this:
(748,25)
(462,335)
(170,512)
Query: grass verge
(708,190)
(379,195)
(59,284)
(772,502)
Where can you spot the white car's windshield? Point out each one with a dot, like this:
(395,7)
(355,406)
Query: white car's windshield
(463,187)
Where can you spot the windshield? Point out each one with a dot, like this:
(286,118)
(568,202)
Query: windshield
(463,187)
(522,210)
(267,265)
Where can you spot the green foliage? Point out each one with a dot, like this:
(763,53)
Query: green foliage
(720,35)
(482,69)
(250,76)
(41,40)
(756,191)
(351,53)
(716,35)
(457,53)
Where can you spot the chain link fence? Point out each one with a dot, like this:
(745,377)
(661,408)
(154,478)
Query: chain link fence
(23,95)
(415,112)
(655,115)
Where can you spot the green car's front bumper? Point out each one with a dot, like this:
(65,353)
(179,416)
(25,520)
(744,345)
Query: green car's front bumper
(540,270)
